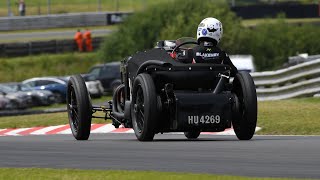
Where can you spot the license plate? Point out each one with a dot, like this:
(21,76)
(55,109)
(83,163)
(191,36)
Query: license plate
(204,119)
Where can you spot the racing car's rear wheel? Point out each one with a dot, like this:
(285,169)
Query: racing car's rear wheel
(144,107)
(245,116)
(119,98)
(192,134)
(79,108)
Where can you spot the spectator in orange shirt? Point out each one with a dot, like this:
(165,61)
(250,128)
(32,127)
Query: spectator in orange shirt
(88,40)
(79,40)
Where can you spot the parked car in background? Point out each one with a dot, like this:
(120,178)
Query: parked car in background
(108,74)
(94,86)
(39,97)
(4,102)
(57,86)
(17,100)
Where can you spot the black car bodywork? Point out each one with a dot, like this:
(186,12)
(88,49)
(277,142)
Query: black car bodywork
(159,94)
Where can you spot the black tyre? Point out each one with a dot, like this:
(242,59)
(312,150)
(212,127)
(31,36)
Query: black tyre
(79,108)
(119,98)
(114,86)
(245,118)
(192,134)
(144,111)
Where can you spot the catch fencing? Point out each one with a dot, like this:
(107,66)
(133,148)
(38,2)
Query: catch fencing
(296,81)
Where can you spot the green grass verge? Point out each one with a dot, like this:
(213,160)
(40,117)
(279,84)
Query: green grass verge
(34,173)
(21,68)
(290,117)
(95,101)
(286,117)
(40,120)
(51,119)
(40,7)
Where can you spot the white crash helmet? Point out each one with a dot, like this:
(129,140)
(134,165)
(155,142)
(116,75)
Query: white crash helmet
(210,29)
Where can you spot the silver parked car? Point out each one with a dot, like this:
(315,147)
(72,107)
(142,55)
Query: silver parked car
(4,103)
(39,97)
(18,100)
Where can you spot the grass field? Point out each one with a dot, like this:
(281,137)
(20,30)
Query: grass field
(286,117)
(290,117)
(67,174)
(21,68)
(40,7)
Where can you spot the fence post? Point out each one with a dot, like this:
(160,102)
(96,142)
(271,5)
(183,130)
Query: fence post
(117,5)
(49,6)
(30,48)
(99,5)
(9,8)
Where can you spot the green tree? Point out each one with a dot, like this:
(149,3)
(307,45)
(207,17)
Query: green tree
(179,18)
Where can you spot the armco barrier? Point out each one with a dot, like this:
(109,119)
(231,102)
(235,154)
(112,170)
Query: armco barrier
(29,112)
(38,47)
(61,20)
(272,10)
(295,81)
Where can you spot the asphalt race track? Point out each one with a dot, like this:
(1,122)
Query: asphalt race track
(264,156)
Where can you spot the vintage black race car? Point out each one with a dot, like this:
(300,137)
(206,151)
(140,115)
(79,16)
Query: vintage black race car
(159,94)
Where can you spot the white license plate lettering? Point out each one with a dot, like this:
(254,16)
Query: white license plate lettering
(205,119)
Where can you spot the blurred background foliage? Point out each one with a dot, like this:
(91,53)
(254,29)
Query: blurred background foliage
(270,43)
(43,7)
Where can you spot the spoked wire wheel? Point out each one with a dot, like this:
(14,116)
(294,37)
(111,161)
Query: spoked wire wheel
(244,120)
(79,108)
(139,108)
(73,109)
(144,110)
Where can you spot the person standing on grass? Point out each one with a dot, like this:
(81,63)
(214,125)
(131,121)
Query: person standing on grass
(79,40)
(88,40)
(22,7)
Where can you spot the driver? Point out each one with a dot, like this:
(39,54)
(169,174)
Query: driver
(209,34)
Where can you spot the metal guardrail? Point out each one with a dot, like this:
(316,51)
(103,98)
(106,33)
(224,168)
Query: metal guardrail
(30,112)
(39,47)
(296,81)
(62,20)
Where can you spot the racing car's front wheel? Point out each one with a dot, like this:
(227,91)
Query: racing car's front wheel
(79,108)
(144,107)
(244,119)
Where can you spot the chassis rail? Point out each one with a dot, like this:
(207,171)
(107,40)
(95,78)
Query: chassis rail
(108,114)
